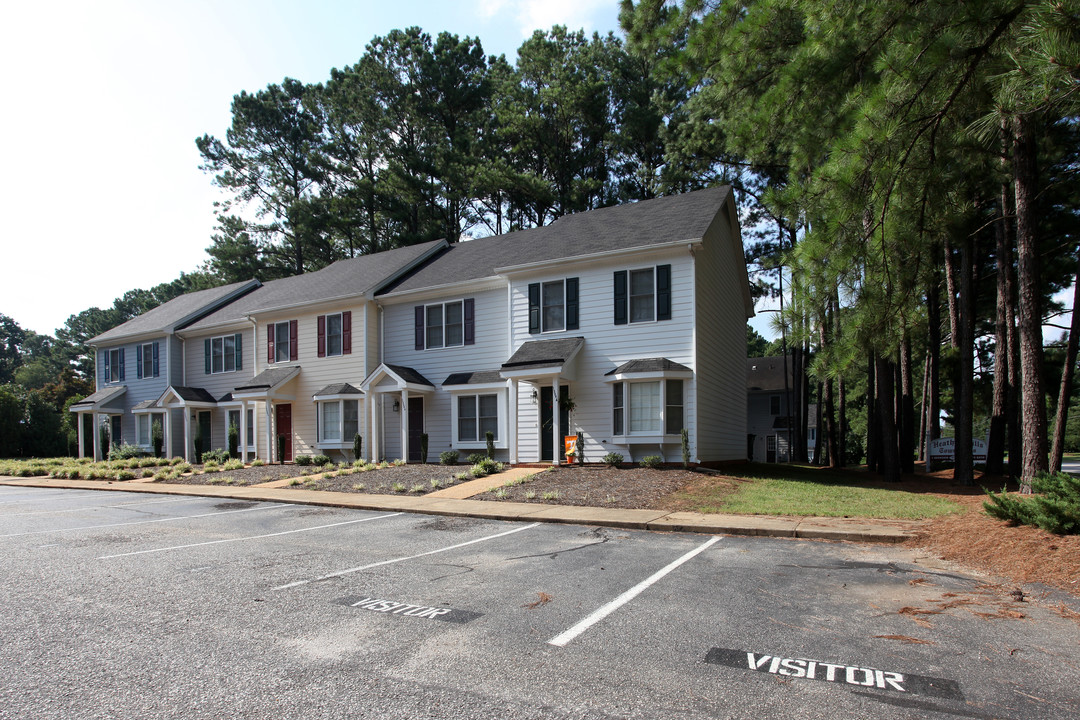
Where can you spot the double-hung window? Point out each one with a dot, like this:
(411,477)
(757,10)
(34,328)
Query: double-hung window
(334,334)
(142,429)
(223,354)
(553,306)
(444,325)
(339,420)
(281,341)
(643,295)
(146,360)
(476,416)
(114,365)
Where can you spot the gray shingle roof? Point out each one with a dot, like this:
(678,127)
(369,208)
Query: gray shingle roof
(766,373)
(639,224)
(345,278)
(145,405)
(473,378)
(339,389)
(544,352)
(194,394)
(649,365)
(269,378)
(409,375)
(176,313)
(101,396)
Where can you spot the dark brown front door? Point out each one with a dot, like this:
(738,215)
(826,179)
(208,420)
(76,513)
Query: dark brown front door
(416,427)
(284,428)
(547,420)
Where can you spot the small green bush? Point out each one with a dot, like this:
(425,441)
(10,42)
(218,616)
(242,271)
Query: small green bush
(486,466)
(357,446)
(613,459)
(423,447)
(475,458)
(685,438)
(258,462)
(450,457)
(320,460)
(219,456)
(125,475)
(233,465)
(1055,506)
(125,452)
(302,460)
(489,438)
(651,461)
(234,440)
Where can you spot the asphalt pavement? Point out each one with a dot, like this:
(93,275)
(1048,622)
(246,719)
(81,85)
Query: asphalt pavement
(131,605)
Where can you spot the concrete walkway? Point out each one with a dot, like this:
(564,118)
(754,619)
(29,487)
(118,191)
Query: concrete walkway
(454,501)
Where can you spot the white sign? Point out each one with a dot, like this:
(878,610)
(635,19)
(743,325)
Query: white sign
(945,449)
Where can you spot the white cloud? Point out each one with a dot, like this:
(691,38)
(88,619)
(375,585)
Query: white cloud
(533,15)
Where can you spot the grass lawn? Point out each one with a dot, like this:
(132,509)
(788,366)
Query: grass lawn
(759,489)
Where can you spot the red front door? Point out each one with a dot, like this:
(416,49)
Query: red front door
(284,429)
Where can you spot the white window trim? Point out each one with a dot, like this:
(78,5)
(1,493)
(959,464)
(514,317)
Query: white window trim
(114,366)
(235,406)
(629,438)
(500,393)
(223,371)
(151,413)
(277,345)
(444,346)
(147,360)
(341,334)
(543,330)
(630,298)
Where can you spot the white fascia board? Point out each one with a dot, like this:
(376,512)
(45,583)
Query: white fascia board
(651,375)
(535,371)
(359,298)
(226,326)
(472,389)
(346,396)
(491,282)
(606,255)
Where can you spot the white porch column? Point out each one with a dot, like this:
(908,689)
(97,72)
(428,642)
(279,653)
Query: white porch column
(512,422)
(270,445)
(167,431)
(555,418)
(243,432)
(404,424)
(187,434)
(79,418)
(97,436)
(372,434)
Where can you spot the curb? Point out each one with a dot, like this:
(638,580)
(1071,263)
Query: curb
(816,528)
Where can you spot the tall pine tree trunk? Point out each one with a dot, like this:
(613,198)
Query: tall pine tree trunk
(995,446)
(922,409)
(1033,404)
(889,459)
(872,432)
(964,470)
(1065,394)
(933,342)
(841,423)
(907,408)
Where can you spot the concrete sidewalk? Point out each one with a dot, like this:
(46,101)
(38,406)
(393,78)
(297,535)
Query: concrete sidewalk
(443,502)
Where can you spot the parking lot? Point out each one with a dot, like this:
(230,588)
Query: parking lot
(123,605)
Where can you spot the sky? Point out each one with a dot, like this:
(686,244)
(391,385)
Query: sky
(100,186)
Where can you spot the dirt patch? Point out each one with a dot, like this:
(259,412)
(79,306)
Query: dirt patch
(627,488)
(244,476)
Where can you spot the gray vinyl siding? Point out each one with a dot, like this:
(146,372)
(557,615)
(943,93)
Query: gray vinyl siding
(138,389)
(721,353)
(608,346)
(488,352)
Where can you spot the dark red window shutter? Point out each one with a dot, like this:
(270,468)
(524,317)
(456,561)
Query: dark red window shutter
(321,324)
(138,362)
(469,313)
(270,343)
(418,326)
(346,332)
(293,354)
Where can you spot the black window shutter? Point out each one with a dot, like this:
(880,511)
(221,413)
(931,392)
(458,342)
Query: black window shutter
(206,356)
(469,317)
(620,297)
(571,303)
(663,292)
(238,348)
(138,362)
(418,326)
(156,365)
(534,307)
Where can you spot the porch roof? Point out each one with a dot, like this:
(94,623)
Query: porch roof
(481,377)
(544,352)
(97,400)
(649,365)
(268,379)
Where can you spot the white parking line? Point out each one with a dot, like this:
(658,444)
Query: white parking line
(46,493)
(145,522)
(249,537)
(116,506)
(562,639)
(403,559)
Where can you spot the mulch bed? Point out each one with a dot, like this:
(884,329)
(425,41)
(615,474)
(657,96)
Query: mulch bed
(627,488)
(381,481)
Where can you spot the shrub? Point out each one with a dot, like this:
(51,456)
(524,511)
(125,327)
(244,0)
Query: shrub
(281,449)
(303,460)
(450,457)
(320,460)
(210,466)
(357,446)
(258,462)
(423,447)
(651,461)
(124,452)
(125,475)
(157,437)
(613,459)
(233,465)
(398,463)
(485,467)
(219,456)
(581,448)
(475,458)
(1055,507)
(489,437)
(234,440)
(398,487)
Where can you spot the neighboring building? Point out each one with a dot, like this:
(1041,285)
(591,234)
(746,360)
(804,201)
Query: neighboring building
(630,320)
(135,362)
(768,437)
